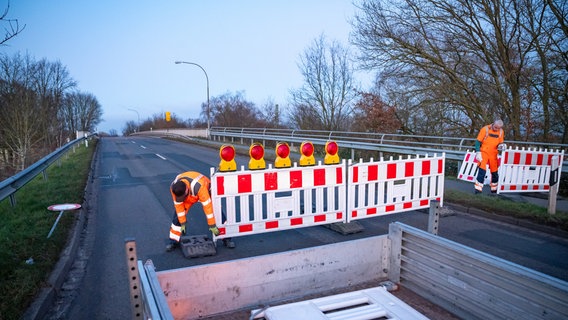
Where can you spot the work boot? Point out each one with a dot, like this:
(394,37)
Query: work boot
(227,242)
(172,246)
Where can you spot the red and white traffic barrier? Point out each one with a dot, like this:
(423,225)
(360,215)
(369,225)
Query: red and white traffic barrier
(528,170)
(257,201)
(519,170)
(469,166)
(386,187)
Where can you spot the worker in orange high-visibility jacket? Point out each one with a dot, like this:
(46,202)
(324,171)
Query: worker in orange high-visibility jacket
(186,189)
(490,141)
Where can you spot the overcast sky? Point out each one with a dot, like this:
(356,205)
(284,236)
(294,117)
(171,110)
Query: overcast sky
(123,52)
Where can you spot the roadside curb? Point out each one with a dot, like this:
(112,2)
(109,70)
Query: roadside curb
(47,295)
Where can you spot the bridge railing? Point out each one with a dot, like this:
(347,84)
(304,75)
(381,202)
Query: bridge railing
(455,148)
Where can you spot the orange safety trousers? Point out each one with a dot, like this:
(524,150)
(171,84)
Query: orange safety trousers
(490,140)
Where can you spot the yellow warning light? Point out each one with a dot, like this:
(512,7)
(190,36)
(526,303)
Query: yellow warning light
(307,154)
(256,152)
(227,154)
(282,156)
(168,116)
(331,150)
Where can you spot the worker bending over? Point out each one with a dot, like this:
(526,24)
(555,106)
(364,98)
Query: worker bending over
(186,189)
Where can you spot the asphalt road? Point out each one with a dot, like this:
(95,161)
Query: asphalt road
(131,200)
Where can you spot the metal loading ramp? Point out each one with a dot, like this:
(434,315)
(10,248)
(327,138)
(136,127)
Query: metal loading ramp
(367,304)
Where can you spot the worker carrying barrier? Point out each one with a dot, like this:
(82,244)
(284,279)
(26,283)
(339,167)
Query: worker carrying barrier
(521,170)
(278,199)
(386,187)
(528,170)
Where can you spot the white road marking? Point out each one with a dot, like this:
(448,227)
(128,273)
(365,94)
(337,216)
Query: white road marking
(160,156)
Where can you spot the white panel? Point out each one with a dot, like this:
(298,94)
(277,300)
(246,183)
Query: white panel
(374,303)
(283,204)
(231,185)
(209,289)
(283,179)
(257,180)
(307,178)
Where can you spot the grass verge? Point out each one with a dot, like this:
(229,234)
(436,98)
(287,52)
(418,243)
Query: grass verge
(27,257)
(506,207)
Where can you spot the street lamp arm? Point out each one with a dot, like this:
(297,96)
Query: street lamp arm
(207,79)
(138,114)
(200,67)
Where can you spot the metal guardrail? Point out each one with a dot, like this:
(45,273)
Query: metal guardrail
(11,185)
(454,147)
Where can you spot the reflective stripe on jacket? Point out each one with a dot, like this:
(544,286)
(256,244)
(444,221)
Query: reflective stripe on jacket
(198,185)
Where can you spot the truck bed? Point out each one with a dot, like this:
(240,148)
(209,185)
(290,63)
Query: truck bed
(440,279)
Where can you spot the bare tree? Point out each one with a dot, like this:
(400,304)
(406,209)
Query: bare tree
(462,59)
(20,115)
(554,60)
(560,11)
(324,102)
(129,128)
(158,121)
(272,114)
(30,100)
(51,80)
(233,110)
(80,112)
(11,26)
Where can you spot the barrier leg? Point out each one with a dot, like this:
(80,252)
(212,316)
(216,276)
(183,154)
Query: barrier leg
(434,217)
(134,279)
(554,178)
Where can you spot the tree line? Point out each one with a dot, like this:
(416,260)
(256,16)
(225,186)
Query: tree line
(441,67)
(451,66)
(41,109)
(230,109)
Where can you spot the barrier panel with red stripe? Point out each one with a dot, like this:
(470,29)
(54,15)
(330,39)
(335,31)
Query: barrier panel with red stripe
(519,170)
(469,166)
(528,170)
(386,187)
(257,201)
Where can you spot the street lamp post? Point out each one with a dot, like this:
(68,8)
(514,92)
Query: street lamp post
(138,114)
(206,78)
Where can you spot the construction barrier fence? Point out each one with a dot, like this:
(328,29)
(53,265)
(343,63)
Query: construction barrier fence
(257,201)
(520,170)
(249,202)
(385,187)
